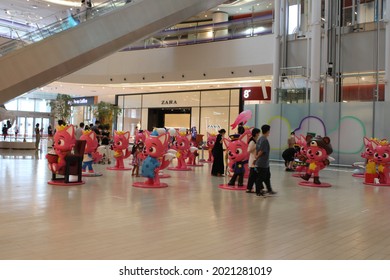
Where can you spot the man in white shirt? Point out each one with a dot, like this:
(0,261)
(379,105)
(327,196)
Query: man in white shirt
(79,131)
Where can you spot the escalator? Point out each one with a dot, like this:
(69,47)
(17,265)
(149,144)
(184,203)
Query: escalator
(62,51)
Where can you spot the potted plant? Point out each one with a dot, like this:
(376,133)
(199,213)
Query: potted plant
(105,112)
(61,107)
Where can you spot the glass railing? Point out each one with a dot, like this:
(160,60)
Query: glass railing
(234,29)
(69,21)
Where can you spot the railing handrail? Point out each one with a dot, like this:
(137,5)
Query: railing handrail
(174,36)
(219,24)
(71,21)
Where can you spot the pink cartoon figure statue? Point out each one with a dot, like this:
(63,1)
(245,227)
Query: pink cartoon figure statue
(230,163)
(382,160)
(90,153)
(242,118)
(182,147)
(121,151)
(193,153)
(157,159)
(300,158)
(238,155)
(211,138)
(318,151)
(370,165)
(63,142)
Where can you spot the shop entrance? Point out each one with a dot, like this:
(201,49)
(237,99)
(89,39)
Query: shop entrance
(169,117)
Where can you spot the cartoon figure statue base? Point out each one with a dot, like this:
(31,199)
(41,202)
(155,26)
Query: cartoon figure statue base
(195,165)
(232,188)
(376,185)
(149,186)
(118,169)
(164,176)
(61,182)
(311,184)
(179,169)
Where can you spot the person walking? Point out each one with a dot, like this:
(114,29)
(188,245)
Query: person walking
(218,165)
(79,131)
(252,155)
(83,11)
(262,162)
(5,131)
(37,136)
(89,9)
(16,129)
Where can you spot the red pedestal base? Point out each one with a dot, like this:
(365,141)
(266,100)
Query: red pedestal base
(311,184)
(232,188)
(118,169)
(62,183)
(149,186)
(377,185)
(179,169)
(195,165)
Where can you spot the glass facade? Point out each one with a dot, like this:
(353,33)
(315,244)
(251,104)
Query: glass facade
(28,112)
(210,110)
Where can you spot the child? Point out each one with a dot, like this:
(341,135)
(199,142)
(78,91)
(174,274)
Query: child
(137,158)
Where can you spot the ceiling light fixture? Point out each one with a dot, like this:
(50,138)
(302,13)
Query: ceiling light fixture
(68,3)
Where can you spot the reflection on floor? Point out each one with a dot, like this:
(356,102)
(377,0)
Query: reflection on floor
(107,218)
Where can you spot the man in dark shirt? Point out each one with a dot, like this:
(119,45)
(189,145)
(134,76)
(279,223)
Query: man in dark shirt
(262,162)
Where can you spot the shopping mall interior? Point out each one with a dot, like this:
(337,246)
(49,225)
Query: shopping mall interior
(309,67)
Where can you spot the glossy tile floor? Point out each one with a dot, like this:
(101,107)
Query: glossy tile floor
(107,218)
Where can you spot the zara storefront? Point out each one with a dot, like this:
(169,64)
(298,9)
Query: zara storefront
(207,110)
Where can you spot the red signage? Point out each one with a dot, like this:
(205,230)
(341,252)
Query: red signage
(256,93)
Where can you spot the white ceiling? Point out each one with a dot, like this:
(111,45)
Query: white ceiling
(37,11)
(40,12)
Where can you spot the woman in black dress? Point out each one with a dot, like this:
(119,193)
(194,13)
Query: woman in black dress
(218,165)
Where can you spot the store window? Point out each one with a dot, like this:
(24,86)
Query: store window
(130,119)
(213,119)
(213,97)
(132,101)
(362,88)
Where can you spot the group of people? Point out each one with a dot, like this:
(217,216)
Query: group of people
(102,135)
(259,150)
(8,126)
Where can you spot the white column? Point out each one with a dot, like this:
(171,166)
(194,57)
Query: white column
(276,69)
(217,18)
(315,61)
(387,53)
